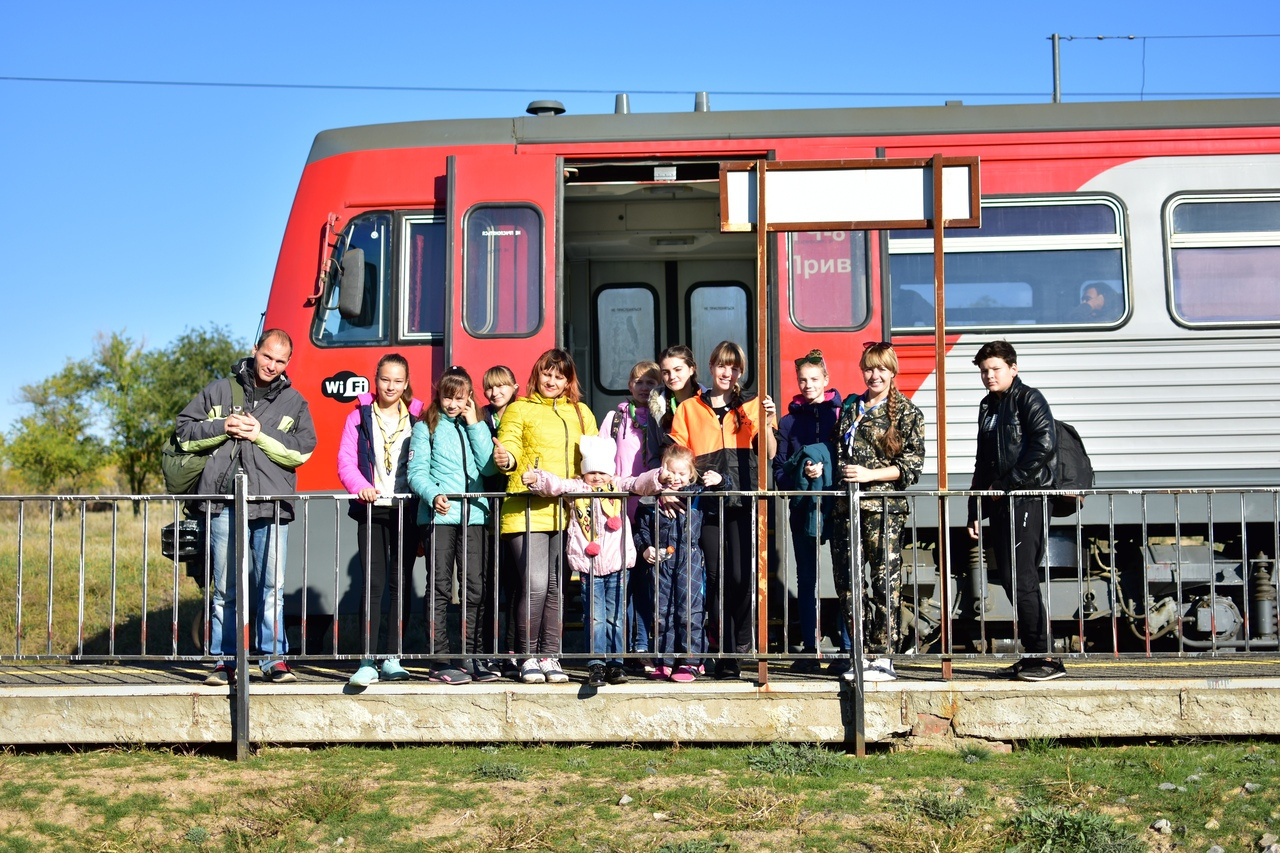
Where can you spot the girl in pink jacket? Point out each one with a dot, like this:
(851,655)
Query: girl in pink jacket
(600,547)
(373,459)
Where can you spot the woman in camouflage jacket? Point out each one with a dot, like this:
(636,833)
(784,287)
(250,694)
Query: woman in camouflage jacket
(879,441)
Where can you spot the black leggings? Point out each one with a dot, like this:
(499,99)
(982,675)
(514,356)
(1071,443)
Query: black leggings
(737,575)
(382,533)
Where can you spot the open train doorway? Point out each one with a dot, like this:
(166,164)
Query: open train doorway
(645,266)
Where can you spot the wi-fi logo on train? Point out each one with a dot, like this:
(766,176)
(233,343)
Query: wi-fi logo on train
(344,386)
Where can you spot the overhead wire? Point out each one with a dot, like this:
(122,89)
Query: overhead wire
(355,87)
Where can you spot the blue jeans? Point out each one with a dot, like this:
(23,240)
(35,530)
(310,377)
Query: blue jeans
(806,551)
(603,607)
(267,546)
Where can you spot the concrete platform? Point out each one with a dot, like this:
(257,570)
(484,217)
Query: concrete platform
(168,703)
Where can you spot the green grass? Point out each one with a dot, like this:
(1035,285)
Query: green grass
(1056,797)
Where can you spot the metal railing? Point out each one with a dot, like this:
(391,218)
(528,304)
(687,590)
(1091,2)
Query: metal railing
(1189,571)
(1133,573)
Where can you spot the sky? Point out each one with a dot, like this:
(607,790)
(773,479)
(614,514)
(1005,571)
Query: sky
(151,209)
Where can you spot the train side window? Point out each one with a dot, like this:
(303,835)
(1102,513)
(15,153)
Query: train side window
(372,234)
(827,274)
(1224,258)
(625,332)
(1034,262)
(423,294)
(502,277)
(719,311)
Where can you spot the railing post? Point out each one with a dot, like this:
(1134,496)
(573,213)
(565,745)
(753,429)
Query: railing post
(856,647)
(242,615)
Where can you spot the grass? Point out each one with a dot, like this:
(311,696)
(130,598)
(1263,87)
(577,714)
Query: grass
(107,619)
(1065,798)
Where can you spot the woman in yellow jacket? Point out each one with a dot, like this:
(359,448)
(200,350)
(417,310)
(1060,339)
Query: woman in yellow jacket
(540,430)
(720,426)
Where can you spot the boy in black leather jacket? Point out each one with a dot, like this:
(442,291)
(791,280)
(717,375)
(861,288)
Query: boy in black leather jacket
(1017,446)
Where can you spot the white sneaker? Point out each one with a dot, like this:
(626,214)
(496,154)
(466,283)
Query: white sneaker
(881,669)
(885,665)
(531,673)
(551,669)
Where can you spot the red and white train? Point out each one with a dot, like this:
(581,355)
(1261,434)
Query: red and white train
(488,241)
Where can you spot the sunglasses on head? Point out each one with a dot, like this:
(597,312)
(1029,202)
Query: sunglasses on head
(814,357)
(884,344)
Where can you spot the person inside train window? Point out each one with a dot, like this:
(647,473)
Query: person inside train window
(911,309)
(1098,304)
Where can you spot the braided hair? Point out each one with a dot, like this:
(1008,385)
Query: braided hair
(882,355)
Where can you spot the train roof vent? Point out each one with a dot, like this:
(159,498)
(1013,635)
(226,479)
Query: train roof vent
(544,108)
(701,103)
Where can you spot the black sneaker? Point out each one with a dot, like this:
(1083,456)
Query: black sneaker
(480,672)
(727,670)
(1012,670)
(279,673)
(1043,670)
(807,666)
(595,675)
(615,675)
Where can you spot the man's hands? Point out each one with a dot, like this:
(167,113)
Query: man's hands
(243,425)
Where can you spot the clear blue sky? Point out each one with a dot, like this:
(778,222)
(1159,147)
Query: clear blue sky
(151,209)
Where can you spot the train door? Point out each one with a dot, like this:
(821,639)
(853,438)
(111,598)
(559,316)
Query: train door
(502,261)
(638,308)
(646,266)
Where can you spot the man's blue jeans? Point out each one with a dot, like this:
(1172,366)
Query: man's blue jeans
(604,604)
(267,548)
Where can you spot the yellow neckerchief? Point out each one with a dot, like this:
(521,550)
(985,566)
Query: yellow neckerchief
(389,438)
(610,507)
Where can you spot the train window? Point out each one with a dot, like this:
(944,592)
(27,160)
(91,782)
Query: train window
(1045,262)
(372,234)
(719,311)
(502,279)
(625,332)
(1224,258)
(827,271)
(422,297)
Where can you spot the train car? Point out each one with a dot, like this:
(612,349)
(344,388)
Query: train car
(482,242)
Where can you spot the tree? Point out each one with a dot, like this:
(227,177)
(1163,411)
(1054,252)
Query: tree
(141,392)
(117,406)
(124,391)
(53,447)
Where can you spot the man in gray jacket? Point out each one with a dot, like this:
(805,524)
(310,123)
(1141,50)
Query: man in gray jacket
(267,438)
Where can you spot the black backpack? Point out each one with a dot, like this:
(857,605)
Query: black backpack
(1073,470)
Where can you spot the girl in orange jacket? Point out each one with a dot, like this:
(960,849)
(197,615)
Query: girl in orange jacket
(720,426)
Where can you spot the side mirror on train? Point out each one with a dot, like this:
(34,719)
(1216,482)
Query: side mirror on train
(351,284)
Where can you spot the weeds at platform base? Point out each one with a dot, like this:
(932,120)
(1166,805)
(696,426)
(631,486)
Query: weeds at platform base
(1062,829)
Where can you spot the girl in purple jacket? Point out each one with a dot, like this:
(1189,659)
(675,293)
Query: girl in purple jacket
(373,459)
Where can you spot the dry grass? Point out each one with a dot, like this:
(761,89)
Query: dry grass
(107,619)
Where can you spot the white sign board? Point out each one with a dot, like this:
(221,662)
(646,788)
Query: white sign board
(852,195)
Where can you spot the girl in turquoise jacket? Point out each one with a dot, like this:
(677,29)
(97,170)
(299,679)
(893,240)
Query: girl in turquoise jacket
(450,454)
